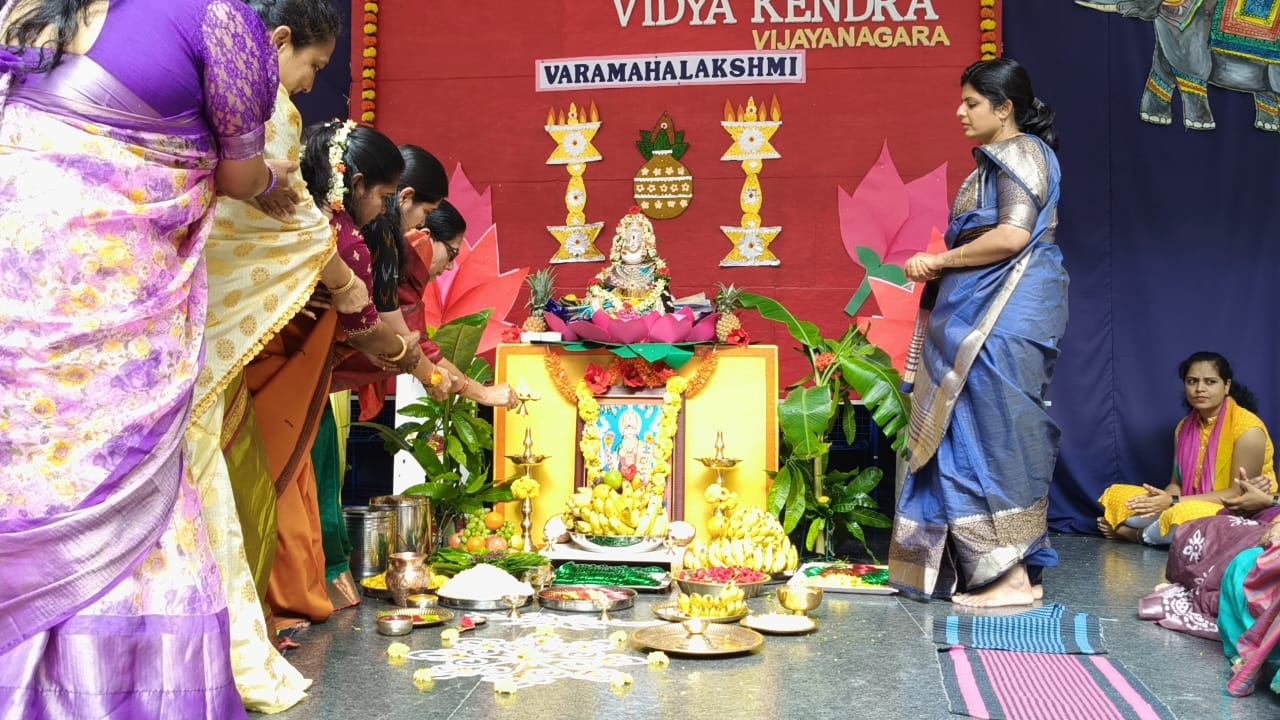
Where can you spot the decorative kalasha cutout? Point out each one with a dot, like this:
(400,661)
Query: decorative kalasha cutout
(751,132)
(663,188)
(574,150)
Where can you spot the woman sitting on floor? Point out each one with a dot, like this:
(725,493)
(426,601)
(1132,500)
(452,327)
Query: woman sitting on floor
(1219,437)
(1198,559)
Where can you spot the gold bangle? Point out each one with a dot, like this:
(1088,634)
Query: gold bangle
(962,256)
(404,349)
(351,282)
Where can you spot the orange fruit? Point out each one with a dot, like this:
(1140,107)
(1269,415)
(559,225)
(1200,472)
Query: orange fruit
(494,520)
(475,544)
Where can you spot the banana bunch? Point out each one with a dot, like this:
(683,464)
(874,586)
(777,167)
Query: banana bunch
(603,510)
(730,601)
(743,552)
(748,537)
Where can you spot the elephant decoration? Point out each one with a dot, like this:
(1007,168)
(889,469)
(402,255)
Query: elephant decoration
(1228,43)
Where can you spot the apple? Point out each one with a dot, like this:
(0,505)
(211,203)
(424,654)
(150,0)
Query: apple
(495,543)
(455,540)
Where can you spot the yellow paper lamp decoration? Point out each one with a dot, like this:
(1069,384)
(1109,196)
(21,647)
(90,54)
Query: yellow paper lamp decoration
(752,131)
(574,150)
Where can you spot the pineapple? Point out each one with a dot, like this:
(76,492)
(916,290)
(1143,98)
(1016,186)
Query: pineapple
(726,301)
(541,285)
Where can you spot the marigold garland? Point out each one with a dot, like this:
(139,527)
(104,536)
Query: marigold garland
(988,22)
(589,445)
(709,360)
(368,77)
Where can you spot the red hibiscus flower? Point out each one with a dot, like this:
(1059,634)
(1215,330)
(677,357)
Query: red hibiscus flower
(631,375)
(739,337)
(662,373)
(598,380)
(511,335)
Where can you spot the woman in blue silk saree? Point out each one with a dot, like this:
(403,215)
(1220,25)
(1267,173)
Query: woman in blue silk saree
(972,515)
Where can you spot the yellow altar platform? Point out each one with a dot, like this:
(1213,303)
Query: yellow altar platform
(739,398)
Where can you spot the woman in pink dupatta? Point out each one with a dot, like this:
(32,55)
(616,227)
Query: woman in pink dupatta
(110,601)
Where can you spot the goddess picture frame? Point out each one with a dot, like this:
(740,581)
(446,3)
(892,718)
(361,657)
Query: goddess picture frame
(626,438)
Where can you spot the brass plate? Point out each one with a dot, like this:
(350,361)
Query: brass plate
(717,640)
(619,598)
(425,617)
(671,613)
(779,624)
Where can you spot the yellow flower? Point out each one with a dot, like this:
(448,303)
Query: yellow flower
(398,649)
(677,385)
(448,637)
(396,660)
(43,408)
(58,455)
(621,683)
(504,686)
(424,679)
(545,630)
(618,637)
(658,660)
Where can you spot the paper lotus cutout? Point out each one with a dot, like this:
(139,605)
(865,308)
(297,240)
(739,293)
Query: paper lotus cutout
(885,221)
(672,328)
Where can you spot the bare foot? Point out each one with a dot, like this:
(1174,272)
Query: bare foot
(1124,532)
(1037,591)
(1012,589)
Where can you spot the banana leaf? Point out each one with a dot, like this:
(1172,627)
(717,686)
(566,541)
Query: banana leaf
(877,383)
(803,331)
(804,416)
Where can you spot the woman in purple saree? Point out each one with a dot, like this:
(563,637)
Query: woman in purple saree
(110,602)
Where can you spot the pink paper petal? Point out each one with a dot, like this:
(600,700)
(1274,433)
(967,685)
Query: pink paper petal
(929,209)
(557,325)
(602,320)
(649,319)
(586,331)
(671,329)
(873,214)
(684,312)
(704,329)
(628,331)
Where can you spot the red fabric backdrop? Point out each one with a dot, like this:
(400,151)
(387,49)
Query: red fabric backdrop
(457,77)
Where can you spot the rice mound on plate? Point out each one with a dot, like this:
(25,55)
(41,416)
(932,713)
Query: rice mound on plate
(483,582)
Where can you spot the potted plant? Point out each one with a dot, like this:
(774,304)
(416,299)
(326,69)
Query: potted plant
(448,439)
(803,490)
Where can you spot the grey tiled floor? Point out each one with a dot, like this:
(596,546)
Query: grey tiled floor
(871,658)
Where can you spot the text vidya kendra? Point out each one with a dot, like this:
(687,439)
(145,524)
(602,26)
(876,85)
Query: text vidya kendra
(655,13)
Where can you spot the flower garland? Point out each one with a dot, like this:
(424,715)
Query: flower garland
(589,445)
(636,368)
(368,92)
(987,25)
(337,168)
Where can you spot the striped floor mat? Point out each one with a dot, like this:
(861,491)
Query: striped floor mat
(1049,629)
(1002,685)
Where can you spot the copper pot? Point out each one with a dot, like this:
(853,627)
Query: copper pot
(407,574)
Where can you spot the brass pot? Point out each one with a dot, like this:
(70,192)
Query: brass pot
(407,574)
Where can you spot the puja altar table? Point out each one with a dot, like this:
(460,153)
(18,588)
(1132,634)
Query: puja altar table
(737,395)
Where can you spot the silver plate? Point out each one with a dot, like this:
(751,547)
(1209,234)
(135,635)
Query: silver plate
(498,604)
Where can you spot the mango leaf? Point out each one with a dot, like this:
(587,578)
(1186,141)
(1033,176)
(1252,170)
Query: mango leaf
(480,371)
(780,490)
(815,530)
(475,482)
(462,426)
(434,490)
(856,531)
(496,495)
(391,436)
(865,482)
(804,417)
(795,507)
(805,332)
(417,410)
(459,339)
(870,518)
(849,421)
